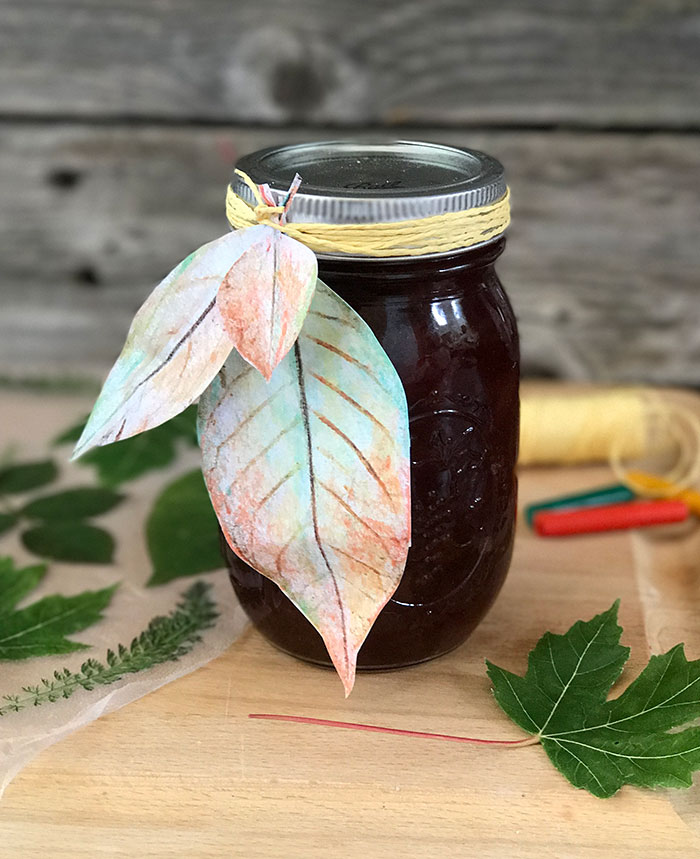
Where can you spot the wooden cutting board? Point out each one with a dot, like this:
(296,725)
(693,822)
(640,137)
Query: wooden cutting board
(184,772)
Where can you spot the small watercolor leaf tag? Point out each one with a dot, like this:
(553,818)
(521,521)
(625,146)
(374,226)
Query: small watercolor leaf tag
(309,473)
(177,343)
(265,296)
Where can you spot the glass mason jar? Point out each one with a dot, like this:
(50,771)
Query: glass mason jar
(448,327)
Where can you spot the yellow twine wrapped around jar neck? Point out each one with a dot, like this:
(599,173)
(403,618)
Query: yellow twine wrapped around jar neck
(432,235)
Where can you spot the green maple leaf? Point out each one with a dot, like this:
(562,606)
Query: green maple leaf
(601,745)
(41,628)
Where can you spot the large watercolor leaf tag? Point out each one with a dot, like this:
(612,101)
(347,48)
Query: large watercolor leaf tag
(265,296)
(309,473)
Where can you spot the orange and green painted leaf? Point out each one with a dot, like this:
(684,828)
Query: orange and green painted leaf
(177,343)
(265,296)
(309,473)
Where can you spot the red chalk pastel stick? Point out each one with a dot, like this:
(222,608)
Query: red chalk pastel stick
(611,517)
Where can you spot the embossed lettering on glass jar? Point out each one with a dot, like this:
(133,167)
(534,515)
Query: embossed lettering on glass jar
(448,327)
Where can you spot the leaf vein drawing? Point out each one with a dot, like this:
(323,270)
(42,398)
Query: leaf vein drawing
(353,403)
(520,703)
(666,701)
(120,406)
(265,297)
(280,483)
(345,356)
(120,431)
(356,450)
(596,668)
(344,504)
(643,711)
(273,301)
(356,560)
(176,348)
(268,447)
(227,387)
(312,488)
(610,724)
(249,417)
(656,686)
(332,318)
(295,536)
(627,755)
(334,459)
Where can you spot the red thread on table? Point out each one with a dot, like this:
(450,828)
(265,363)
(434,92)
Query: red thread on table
(330,723)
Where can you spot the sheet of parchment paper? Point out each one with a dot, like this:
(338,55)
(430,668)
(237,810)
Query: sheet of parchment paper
(27,425)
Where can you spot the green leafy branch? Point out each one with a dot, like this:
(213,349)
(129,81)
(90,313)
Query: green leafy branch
(165,639)
(56,527)
(182,530)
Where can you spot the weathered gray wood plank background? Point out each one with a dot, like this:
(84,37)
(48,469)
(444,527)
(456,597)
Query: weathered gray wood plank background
(119,122)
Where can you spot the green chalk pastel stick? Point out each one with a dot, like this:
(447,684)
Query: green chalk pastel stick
(615,494)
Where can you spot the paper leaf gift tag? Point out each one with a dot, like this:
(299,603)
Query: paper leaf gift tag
(176,345)
(265,296)
(309,473)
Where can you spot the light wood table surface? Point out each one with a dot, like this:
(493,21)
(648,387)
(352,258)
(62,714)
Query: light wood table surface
(184,772)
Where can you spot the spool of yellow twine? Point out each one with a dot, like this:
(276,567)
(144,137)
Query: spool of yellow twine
(616,426)
(571,429)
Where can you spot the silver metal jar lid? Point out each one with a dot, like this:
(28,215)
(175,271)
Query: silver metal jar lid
(353,182)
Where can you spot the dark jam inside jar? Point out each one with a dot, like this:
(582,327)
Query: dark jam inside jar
(449,330)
